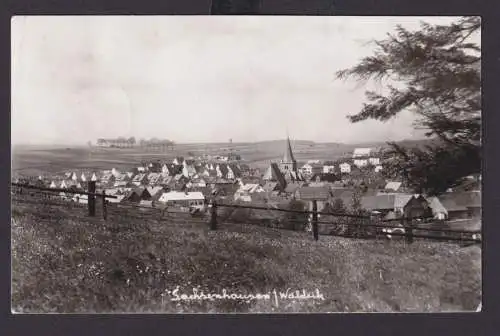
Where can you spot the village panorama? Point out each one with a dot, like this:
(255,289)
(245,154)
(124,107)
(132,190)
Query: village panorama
(233,172)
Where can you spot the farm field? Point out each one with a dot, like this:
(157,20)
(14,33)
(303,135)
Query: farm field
(64,261)
(35,160)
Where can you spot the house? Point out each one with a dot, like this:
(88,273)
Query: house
(377,169)
(311,168)
(291,176)
(138,195)
(94,177)
(155,192)
(361,152)
(183,199)
(462,205)
(345,167)
(325,177)
(328,169)
(233,171)
(401,204)
(53,185)
(246,192)
(438,209)
(121,177)
(83,178)
(188,169)
(360,162)
(321,195)
(171,169)
(221,170)
(139,179)
(119,198)
(121,184)
(178,161)
(153,178)
(313,193)
(392,186)
(374,161)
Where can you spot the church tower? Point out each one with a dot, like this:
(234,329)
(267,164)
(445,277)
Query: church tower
(288,163)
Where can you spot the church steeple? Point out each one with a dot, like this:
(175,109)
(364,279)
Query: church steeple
(288,158)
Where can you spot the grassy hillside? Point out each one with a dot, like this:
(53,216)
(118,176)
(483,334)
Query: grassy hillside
(65,263)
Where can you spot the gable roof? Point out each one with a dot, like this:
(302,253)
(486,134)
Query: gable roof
(378,202)
(393,186)
(460,201)
(313,193)
(436,205)
(385,201)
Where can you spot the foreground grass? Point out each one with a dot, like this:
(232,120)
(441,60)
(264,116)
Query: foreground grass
(77,265)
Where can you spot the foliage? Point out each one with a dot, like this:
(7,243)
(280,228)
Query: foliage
(435,73)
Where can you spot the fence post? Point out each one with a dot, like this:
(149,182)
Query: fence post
(407,224)
(104,209)
(213,215)
(315,220)
(91,198)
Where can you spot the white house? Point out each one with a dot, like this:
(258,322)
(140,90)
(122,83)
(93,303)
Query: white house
(94,177)
(345,167)
(186,199)
(360,162)
(361,152)
(378,169)
(53,185)
(328,169)
(374,161)
(83,178)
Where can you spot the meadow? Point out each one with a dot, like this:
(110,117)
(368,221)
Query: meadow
(63,261)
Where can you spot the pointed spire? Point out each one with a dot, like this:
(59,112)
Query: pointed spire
(288,151)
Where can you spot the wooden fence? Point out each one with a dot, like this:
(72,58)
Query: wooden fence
(408,226)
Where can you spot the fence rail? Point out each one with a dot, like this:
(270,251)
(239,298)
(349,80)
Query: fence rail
(411,228)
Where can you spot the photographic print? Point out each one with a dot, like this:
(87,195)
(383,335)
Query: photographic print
(245,164)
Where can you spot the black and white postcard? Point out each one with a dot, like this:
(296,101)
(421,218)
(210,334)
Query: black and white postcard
(245,164)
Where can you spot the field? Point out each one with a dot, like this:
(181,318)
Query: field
(66,262)
(36,160)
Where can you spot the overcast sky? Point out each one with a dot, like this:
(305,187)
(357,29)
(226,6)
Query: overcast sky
(194,78)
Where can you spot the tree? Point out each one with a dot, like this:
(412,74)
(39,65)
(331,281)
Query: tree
(435,73)
(131,141)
